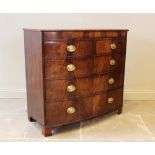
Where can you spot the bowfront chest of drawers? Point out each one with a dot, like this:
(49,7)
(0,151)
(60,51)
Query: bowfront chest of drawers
(73,75)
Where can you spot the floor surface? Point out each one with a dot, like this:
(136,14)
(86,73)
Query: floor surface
(136,123)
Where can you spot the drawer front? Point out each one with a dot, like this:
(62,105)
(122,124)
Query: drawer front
(58,113)
(61,50)
(82,67)
(110,46)
(83,34)
(93,106)
(58,89)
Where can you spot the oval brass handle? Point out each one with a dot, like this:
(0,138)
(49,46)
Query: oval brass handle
(71,48)
(113,46)
(112,62)
(71,88)
(71,110)
(70,67)
(110,100)
(111,81)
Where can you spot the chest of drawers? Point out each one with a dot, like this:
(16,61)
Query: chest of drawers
(73,75)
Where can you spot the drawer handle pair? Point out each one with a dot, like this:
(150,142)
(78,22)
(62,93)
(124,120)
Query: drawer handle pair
(71,67)
(72,88)
(72,110)
(72,48)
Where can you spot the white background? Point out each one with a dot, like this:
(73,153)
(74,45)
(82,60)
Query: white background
(66,6)
(140,60)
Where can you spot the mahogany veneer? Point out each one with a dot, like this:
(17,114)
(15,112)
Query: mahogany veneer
(73,75)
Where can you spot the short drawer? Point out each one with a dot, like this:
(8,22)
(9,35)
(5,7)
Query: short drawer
(65,112)
(82,67)
(64,89)
(68,111)
(110,46)
(64,49)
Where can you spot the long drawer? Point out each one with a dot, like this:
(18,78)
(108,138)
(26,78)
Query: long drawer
(70,111)
(62,89)
(55,69)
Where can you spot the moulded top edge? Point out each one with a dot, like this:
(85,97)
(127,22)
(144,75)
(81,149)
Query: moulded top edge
(47,30)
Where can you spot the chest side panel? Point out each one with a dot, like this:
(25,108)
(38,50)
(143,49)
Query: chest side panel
(34,75)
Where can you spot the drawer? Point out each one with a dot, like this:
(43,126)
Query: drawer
(102,103)
(110,45)
(82,67)
(63,49)
(65,112)
(59,89)
(58,113)
(63,34)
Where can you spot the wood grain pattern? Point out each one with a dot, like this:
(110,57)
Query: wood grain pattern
(103,45)
(85,108)
(83,34)
(58,49)
(84,86)
(34,75)
(84,67)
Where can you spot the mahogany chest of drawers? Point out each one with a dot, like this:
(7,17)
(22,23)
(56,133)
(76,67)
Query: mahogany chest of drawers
(73,75)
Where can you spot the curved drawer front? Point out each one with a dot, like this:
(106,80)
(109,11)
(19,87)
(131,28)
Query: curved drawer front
(82,108)
(55,69)
(110,45)
(57,89)
(82,34)
(62,49)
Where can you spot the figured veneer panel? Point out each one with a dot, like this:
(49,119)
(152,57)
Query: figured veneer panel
(85,108)
(56,113)
(57,68)
(103,46)
(58,49)
(34,75)
(102,63)
(50,35)
(57,89)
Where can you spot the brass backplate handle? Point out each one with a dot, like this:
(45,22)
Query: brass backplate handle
(71,110)
(111,81)
(71,88)
(70,67)
(71,48)
(112,62)
(110,100)
(113,46)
